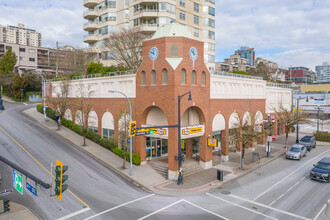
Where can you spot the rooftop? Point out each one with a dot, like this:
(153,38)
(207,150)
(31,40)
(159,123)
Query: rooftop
(173,29)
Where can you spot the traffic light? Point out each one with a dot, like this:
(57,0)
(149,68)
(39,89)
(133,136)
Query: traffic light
(60,179)
(6,205)
(182,157)
(132,128)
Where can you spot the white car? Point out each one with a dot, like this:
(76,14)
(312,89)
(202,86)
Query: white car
(296,152)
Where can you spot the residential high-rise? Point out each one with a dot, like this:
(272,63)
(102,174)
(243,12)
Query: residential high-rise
(323,72)
(20,35)
(299,75)
(247,53)
(107,16)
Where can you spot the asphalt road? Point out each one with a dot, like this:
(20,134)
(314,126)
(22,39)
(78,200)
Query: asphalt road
(279,190)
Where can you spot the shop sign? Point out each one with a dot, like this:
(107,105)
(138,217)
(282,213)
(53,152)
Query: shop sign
(160,131)
(187,131)
(212,142)
(182,144)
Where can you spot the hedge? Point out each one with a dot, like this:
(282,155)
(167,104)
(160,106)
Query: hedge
(104,142)
(322,136)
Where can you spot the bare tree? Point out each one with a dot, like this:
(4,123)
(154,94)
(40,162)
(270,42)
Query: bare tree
(59,99)
(289,119)
(323,119)
(123,126)
(126,46)
(245,133)
(83,106)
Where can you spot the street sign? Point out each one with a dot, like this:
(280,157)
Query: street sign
(17,182)
(31,188)
(6,192)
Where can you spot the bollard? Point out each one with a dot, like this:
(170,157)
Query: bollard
(219,175)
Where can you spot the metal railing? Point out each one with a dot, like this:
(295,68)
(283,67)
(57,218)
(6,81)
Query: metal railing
(280,85)
(237,75)
(92,76)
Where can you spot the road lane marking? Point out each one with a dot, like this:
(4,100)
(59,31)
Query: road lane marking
(40,164)
(25,103)
(269,207)
(166,207)
(74,213)
(289,175)
(206,210)
(319,213)
(116,207)
(243,207)
(288,190)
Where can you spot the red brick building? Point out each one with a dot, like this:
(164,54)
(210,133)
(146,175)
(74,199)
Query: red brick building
(173,64)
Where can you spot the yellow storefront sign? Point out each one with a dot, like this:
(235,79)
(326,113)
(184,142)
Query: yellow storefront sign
(212,142)
(196,130)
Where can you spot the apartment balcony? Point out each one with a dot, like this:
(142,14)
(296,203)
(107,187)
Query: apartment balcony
(90,14)
(91,38)
(90,3)
(148,27)
(91,50)
(90,26)
(146,13)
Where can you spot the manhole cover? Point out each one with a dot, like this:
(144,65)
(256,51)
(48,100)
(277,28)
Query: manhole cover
(255,208)
(225,192)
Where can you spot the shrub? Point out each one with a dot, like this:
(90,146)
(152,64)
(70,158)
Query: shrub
(50,113)
(110,144)
(40,108)
(93,136)
(322,136)
(67,123)
(77,128)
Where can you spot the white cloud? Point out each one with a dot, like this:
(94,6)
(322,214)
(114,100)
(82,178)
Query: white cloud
(298,27)
(58,20)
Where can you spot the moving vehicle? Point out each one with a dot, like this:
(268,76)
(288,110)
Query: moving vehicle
(296,152)
(321,170)
(308,141)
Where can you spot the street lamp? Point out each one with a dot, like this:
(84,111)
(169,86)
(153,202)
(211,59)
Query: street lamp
(268,126)
(299,98)
(180,177)
(1,105)
(318,116)
(44,93)
(130,119)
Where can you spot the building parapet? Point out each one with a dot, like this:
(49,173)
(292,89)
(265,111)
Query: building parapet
(280,85)
(237,75)
(118,73)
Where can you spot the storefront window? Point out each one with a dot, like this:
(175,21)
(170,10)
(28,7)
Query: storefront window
(156,147)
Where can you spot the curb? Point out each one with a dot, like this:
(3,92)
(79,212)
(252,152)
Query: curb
(117,171)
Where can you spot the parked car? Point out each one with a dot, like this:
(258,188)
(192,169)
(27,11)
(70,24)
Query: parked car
(296,152)
(321,170)
(308,141)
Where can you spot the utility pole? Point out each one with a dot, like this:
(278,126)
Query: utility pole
(56,58)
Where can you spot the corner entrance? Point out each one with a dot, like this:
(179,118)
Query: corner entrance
(156,147)
(190,147)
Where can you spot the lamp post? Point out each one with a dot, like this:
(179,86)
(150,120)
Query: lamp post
(1,105)
(180,177)
(44,93)
(130,138)
(299,98)
(318,116)
(268,126)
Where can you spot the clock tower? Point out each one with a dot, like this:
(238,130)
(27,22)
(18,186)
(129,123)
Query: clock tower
(173,64)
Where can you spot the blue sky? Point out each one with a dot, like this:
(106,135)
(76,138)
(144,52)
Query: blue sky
(289,32)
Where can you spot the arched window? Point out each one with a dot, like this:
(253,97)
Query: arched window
(143,81)
(153,77)
(193,77)
(183,77)
(164,76)
(174,52)
(203,78)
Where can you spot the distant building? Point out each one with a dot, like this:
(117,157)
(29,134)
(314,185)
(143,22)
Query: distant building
(279,74)
(20,35)
(323,72)
(268,63)
(234,63)
(299,75)
(248,54)
(30,58)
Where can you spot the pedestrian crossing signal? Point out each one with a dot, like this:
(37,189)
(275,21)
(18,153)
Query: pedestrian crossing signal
(132,128)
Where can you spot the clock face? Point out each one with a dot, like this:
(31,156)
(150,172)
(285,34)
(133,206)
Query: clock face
(153,54)
(193,53)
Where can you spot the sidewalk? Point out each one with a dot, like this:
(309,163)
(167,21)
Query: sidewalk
(18,212)
(146,177)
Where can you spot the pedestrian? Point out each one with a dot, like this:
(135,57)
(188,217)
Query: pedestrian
(57,118)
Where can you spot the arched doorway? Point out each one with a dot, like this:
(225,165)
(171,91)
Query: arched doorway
(157,142)
(234,123)
(107,125)
(93,121)
(218,125)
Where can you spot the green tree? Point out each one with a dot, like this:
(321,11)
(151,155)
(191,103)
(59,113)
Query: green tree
(242,73)
(18,84)
(94,67)
(261,70)
(8,61)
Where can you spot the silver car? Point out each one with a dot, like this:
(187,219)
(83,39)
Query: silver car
(296,152)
